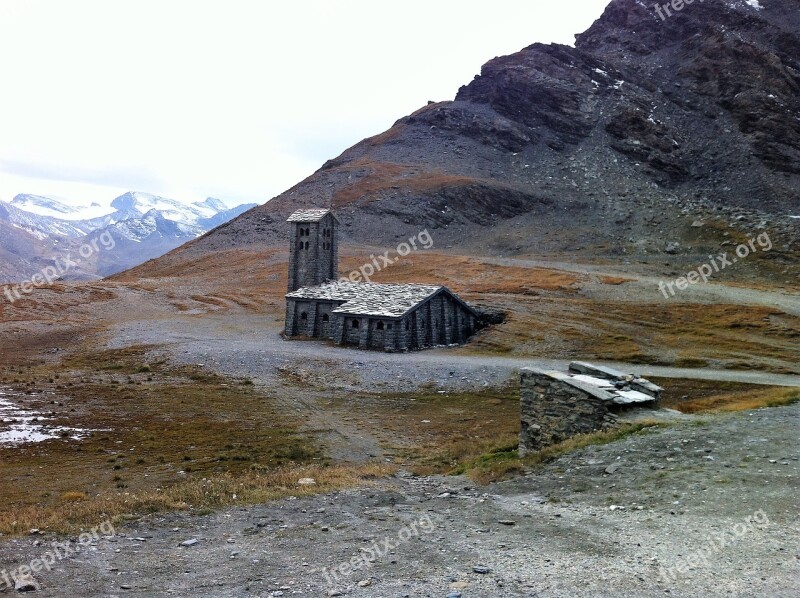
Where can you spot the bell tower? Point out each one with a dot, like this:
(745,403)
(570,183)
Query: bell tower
(313,248)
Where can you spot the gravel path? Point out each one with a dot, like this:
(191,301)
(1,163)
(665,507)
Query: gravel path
(250,346)
(703,508)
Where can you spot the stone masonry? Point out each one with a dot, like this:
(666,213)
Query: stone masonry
(388,317)
(555,406)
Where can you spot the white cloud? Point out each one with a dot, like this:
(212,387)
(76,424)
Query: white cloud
(232,98)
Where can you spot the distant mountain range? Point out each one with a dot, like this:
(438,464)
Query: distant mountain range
(37,231)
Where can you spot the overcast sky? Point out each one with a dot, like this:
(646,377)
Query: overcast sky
(232,99)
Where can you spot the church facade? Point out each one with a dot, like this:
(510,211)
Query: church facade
(388,317)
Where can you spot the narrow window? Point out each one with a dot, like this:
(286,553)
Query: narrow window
(304,316)
(306,244)
(408,326)
(325,317)
(379,326)
(388,326)
(299,244)
(355,323)
(308,231)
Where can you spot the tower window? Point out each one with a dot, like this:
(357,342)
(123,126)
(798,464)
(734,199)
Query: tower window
(304,316)
(355,323)
(325,317)
(306,244)
(308,231)
(299,244)
(379,326)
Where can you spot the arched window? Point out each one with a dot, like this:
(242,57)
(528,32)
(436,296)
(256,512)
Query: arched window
(355,323)
(325,317)
(379,326)
(299,244)
(408,326)
(304,316)
(308,231)
(306,244)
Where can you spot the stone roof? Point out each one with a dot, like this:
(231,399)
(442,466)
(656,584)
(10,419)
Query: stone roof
(620,379)
(370,298)
(601,388)
(311,215)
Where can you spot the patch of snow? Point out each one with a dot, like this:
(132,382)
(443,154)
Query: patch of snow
(600,72)
(20,426)
(52,207)
(754,4)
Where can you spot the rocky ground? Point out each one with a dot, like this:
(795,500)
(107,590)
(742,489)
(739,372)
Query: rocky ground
(706,507)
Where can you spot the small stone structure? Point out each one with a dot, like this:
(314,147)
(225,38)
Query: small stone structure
(389,317)
(555,405)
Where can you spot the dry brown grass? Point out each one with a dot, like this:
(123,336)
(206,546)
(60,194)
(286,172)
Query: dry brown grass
(371,179)
(156,428)
(198,494)
(614,280)
(709,396)
(690,335)
(502,460)
(470,275)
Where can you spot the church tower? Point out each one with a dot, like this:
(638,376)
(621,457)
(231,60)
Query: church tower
(313,248)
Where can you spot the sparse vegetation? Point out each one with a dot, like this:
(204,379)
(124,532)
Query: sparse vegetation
(500,462)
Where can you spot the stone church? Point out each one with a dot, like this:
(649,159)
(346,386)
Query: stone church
(389,317)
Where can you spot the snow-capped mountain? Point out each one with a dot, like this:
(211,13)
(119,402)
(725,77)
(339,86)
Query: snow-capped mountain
(142,225)
(54,208)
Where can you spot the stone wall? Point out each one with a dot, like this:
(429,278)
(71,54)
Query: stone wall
(313,252)
(554,407)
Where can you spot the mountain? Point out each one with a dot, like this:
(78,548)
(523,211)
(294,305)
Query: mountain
(37,231)
(648,137)
(48,206)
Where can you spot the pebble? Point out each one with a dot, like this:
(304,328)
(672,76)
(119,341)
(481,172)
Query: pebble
(483,570)
(191,542)
(25,583)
